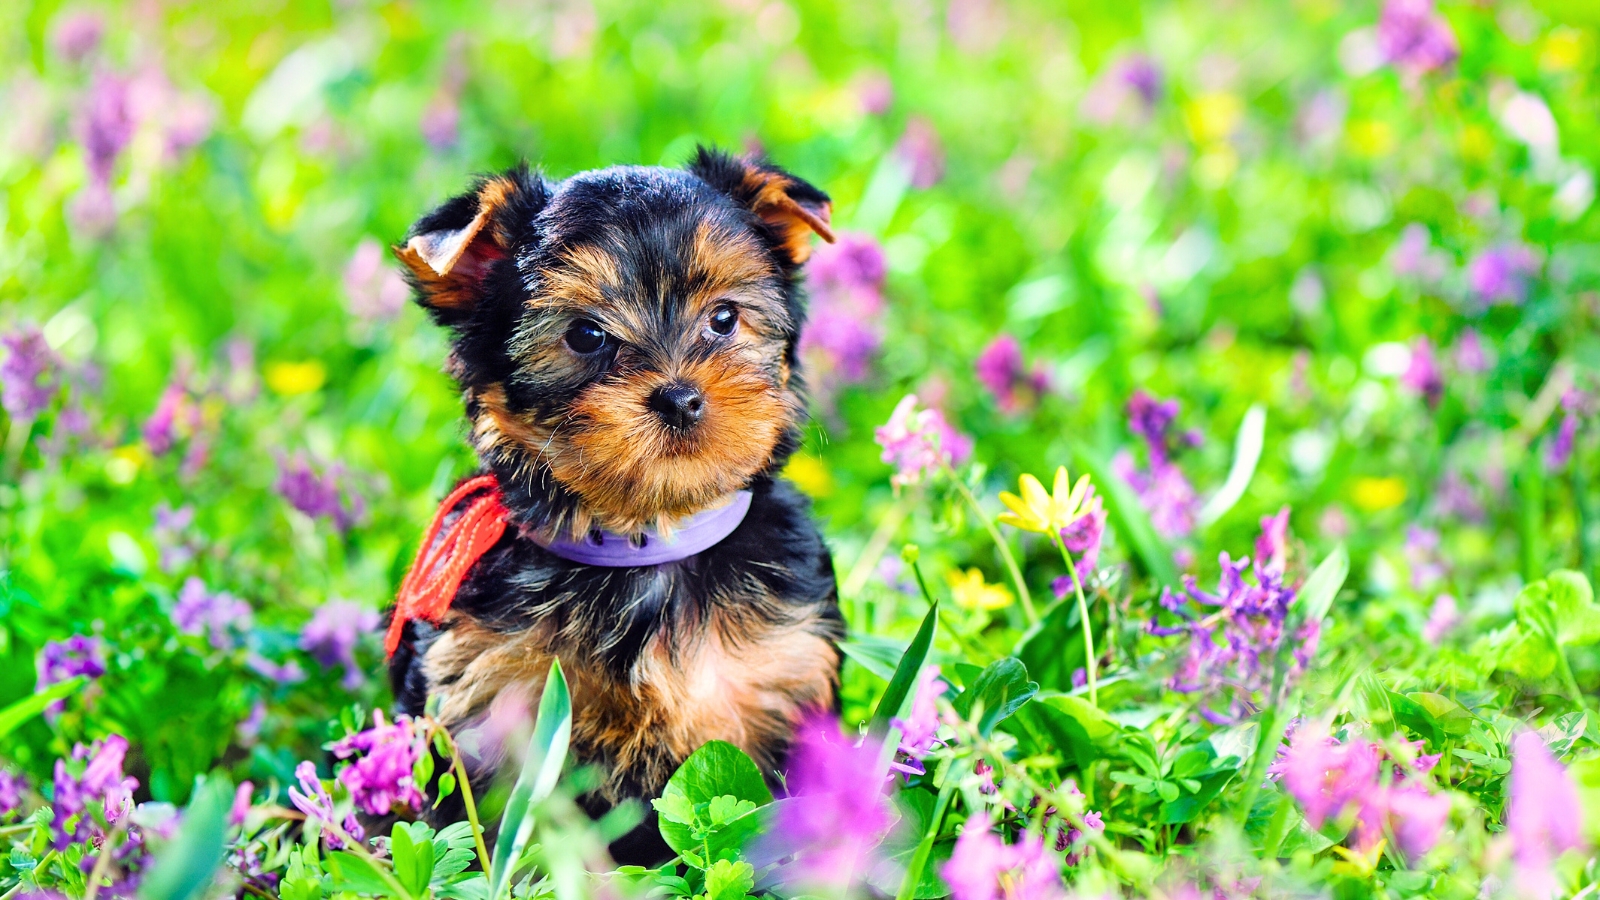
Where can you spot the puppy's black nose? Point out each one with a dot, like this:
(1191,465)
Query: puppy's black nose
(679,405)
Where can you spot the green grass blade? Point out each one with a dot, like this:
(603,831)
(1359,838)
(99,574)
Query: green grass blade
(187,865)
(896,695)
(1323,584)
(1246,454)
(547,752)
(17,714)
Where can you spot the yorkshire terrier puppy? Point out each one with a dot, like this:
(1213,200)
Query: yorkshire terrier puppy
(626,342)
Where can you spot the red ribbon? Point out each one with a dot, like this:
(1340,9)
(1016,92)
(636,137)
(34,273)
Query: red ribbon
(443,561)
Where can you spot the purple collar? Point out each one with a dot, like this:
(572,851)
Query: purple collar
(699,532)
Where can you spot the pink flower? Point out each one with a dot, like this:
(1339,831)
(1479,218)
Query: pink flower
(76,35)
(374,290)
(1543,815)
(313,800)
(1414,38)
(918,442)
(1416,817)
(982,867)
(837,812)
(28,380)
(920,151)
(1422,373)
(917,732)
(241,804)
(1332,779)
(1442,617)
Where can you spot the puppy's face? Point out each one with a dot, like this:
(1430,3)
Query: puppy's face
(625,338)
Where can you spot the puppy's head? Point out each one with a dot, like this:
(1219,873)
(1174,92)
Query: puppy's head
(626,338)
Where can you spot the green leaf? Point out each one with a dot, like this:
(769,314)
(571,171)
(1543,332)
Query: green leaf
(877,655)
(999,691)
(897,695)
(727,880)
(412,859)
(1414,716)
(17,714)
(1315,597)
(1246,454)
(1561,607)
(353,873)
(186,866)
(1053,648)
(547,751)
(1450,717)
(1130,519)
(717,770)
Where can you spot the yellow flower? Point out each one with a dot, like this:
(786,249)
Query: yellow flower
(971,592)
(1374,494)
(291,378)
(809,474)
(1046,513)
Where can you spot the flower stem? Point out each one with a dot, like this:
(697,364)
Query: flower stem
(464,785)
(999,542)
(862,568)
(1083,616)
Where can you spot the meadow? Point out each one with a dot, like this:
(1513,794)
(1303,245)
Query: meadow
(1203,408)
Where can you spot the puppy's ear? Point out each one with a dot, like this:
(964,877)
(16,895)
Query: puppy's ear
(450,251)
(791,208)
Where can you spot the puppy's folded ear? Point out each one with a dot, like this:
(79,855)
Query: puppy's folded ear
(451,251)
(792,209)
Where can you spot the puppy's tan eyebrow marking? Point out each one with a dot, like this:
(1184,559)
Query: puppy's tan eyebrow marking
(722,260)
(584,274)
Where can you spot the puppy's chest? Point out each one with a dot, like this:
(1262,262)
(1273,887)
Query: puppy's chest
(738,671)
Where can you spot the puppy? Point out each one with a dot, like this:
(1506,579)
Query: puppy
(626,344)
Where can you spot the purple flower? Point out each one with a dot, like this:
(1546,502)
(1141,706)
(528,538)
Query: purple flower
(1082,539)
(332,634)
(1422,554)
(313,800)
(1129,87)
(982,867)
(1558,452)
(837,813)
(1415,39)
(12,787)
(373,290)
(105,125)
(92,777)
(27,373)
(1422,373)
(1543,815)
(1456,499)
(76,35)
(845,281)
(917,733)
(920,152)
(1232,651)
(918,442)
(1152,420)
(317,495)
(1500,274)
(1001,369)
(287,672)
(249,730)
(222,617)
(1442,617)
(381,781)
(60,660)
(171,534)
(441,120)
(1164,492)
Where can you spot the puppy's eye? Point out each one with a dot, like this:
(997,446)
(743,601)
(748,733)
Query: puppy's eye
(584,336)
(724,319)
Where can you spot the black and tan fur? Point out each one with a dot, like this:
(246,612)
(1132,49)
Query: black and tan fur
(736,643)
